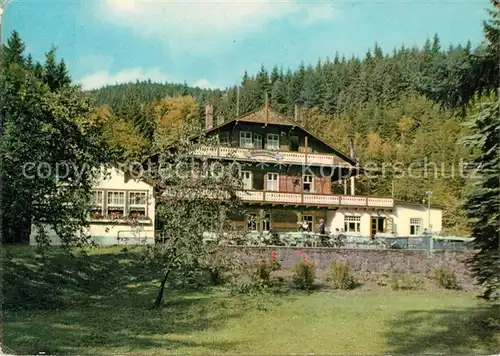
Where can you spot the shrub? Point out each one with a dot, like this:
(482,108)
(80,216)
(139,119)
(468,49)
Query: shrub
(304,274)
(254,277)
(265,268)
(383,280)
(446,278)
(341,275)
(406,282)
(263,272)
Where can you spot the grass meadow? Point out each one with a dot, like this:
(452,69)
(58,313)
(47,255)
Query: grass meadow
(101,303)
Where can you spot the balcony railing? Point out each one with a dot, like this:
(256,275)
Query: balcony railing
(315,199)
(260,196)
(270,156)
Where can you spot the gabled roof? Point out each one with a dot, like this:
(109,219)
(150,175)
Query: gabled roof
(269,116)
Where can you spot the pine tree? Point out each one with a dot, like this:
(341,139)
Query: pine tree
(278,96)
(13,51)
(483,205)
(297,84)
(436,44)
(245,78)
(262,79)
(30,65)
(62,78)
(55,75)
(275,75)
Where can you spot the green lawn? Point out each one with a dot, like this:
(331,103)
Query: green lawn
(101,304)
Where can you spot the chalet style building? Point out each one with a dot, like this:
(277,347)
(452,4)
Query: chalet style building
(287,175)
(288,178)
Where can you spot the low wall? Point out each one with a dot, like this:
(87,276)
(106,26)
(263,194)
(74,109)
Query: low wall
(370,264)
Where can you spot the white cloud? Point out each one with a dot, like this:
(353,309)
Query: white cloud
(203,84)
(205,22)
(94,62)
(320,12)
(104,77)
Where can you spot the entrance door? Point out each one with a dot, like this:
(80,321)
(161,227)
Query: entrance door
(377,225)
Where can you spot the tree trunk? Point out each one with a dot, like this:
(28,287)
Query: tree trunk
(159,297)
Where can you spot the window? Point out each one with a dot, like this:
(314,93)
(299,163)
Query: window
(294,143)
(415,226)
(247,180)
(257,141)
(224,138)
(252,222)
(246,139)
(97,201)
(308,183)
(116,204)
(310,220)
(352,223)
(273,142)
(272,182)
(266,224)
(137,204)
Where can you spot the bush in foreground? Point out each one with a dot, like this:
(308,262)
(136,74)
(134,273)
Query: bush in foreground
(406,282)
(446,278)
(341,275)
(304,273)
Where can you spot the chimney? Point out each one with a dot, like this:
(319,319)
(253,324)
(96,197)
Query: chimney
(220,119)
(209,117)
(351,147)
(302,118)
(299,117)
(238,102)
(353,156)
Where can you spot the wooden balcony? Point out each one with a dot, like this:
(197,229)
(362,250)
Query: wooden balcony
(315,199)
(270,156)
(282,198)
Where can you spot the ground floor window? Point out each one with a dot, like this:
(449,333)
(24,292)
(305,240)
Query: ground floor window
(97,201)
(116,204)
(137,204)
(352,223)
(415,226)
(310,222)
(254,222)
(266,223)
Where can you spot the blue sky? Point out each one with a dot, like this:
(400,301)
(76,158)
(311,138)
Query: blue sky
(211,43)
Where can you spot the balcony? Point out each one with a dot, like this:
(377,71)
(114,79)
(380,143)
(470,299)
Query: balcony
(283,198)
(315,199)
(270,156)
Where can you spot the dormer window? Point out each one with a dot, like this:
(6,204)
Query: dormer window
(273,142)
(246,139)
(224,138)
(257,141)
